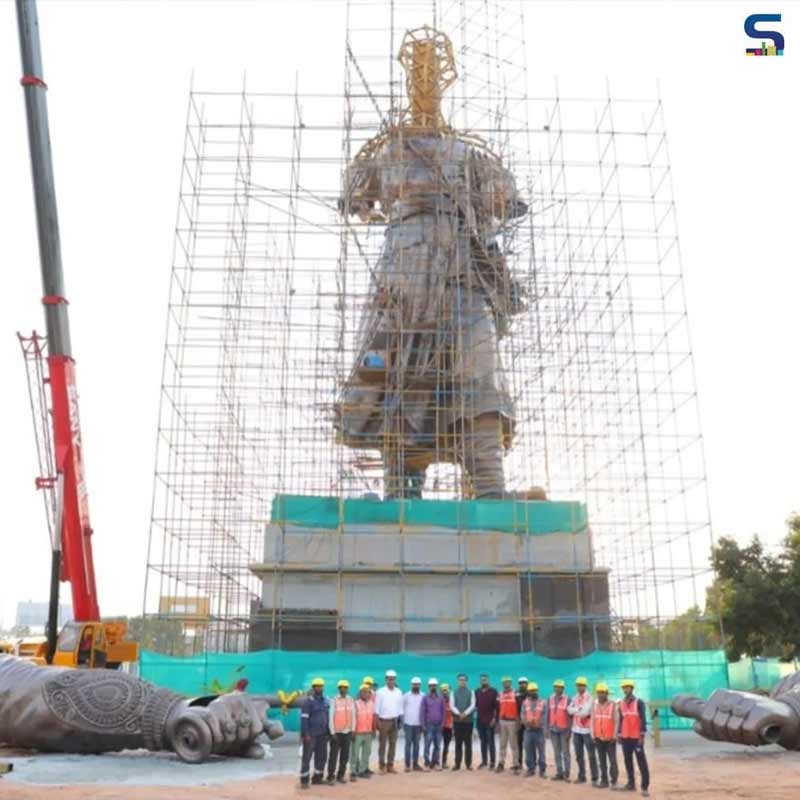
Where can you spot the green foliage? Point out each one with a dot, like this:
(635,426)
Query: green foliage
(692,630)
(757,596)
(158,635)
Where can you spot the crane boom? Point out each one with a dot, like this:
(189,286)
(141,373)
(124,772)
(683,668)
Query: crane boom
(72,545)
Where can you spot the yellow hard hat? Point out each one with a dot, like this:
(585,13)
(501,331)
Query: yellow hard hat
(318,682)
(366,686)
(626,682)
(558,684)
(581,681)
(343,684)
(505,678)
(368,679)
(533,687)
(601,687)
(445,687)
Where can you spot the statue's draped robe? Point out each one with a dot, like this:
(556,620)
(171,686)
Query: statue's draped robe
(436,301)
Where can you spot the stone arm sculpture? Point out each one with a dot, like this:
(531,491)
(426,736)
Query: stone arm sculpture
(746,718)
(96,711)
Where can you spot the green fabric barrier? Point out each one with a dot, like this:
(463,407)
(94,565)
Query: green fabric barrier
(507,516)
(658,674)
(758,673)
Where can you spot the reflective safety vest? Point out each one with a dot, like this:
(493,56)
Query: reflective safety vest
(365,715)
(603,721)
(532,712)
(448,713)
(631,721)
(508,705)
(342,714)
(558,712)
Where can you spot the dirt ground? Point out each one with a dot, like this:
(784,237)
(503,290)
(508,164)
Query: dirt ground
(703,770)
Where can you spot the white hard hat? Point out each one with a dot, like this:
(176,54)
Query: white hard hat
(522,679)
(415,679)
(390,673)
(433,682)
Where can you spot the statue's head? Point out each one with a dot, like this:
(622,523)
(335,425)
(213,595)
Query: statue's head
(427,57)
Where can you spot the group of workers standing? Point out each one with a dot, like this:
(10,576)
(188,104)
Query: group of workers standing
(339,731)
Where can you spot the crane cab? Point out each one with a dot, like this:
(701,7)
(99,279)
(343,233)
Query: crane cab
(82,645)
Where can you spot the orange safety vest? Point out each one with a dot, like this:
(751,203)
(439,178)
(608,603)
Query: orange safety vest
(448,713)
(508,705)
(558,712)
(342,713)
(631,721)
(365,715)
(603,721)
(532,711)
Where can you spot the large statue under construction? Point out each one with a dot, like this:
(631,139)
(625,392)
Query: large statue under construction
(429,385)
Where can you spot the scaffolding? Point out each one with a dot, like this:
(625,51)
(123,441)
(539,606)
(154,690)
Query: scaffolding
(277,320)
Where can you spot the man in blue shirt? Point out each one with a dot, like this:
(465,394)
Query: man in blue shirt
(314,720)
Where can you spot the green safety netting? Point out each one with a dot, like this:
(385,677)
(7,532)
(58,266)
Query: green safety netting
(659,674)
(758,673)
(508,516)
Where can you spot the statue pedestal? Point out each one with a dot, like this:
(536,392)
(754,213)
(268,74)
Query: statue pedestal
(429,575)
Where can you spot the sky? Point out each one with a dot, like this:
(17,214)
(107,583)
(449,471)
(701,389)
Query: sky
(118,75)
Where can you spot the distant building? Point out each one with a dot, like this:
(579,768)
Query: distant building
(34,615)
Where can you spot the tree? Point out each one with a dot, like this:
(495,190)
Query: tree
(158,634)
(757,596)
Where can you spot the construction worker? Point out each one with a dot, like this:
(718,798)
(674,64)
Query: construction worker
(632,729)
(447,725)
(432,716)
(342,723)
(486,706)
(508,715)
(462,704)
(605,721)
(389,710)
(559,727)
(533,716)
(522,693)
(370,681)
(314,722)
(366,725)
(412,727)
(580,709)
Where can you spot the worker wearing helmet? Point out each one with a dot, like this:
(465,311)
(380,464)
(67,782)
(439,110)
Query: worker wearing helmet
(631,731)
(366,725)
(533,716)
(580,710)
(522,693)
(370,681)
(314,723)
(558,725)
(389,710)
(412,726)
(432,716)
(508,714)
(342,723)
(605,721)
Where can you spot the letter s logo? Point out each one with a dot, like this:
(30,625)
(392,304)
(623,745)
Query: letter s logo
(774,36)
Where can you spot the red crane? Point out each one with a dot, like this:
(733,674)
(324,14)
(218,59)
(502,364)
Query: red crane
(59,440)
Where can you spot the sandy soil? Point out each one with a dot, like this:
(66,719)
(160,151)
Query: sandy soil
(712,775)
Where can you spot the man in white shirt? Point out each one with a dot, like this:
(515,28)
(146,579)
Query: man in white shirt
(580,709)
(389,710)
(412,727)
